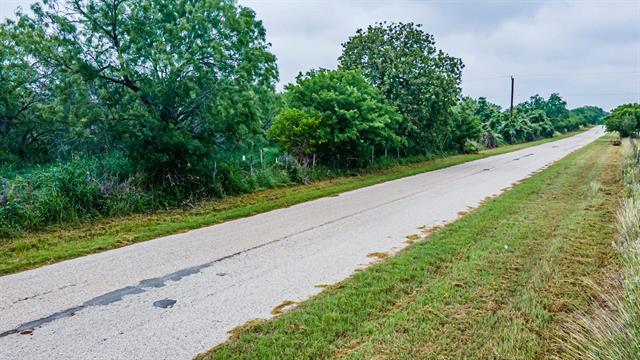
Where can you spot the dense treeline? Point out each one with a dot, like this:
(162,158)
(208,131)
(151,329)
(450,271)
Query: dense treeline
(109,108)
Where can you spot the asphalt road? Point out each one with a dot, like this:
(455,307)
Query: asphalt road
(177,296)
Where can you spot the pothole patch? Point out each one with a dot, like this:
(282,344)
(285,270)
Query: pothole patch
(164,303)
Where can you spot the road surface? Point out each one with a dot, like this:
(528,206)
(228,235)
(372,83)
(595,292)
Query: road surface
(177,296)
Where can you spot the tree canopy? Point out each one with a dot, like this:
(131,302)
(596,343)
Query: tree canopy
(166,76)
(402,61)
(355,119)
(625,119)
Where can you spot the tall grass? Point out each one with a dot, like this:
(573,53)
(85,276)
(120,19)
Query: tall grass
(84,188)
(611,328)
(89,188)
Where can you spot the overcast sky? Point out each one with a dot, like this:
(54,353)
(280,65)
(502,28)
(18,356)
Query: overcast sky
(588,51)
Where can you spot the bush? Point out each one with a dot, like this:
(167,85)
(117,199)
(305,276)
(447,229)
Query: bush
(471,147)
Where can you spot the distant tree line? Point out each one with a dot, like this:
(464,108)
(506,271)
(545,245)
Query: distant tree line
(110,107)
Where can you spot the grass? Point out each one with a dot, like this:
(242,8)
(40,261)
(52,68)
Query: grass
(495,284)
(60,242)
(610,328)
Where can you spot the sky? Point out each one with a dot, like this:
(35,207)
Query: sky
(588,51)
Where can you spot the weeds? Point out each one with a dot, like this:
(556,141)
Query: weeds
(610,329)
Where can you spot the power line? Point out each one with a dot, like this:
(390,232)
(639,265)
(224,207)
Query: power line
(556,74)
(583,73)
(589,94)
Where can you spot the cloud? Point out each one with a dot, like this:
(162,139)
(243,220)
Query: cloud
(585,44)
(585,50)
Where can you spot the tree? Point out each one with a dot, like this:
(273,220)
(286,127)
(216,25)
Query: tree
(589,115)
(42,112)
(403,63)
(541,126)
(169,74)
(556,108)
(624,119)
(490,116)
(355,120)
(465,125)
(299,132)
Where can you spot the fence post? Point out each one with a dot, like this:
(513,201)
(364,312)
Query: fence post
(261,162)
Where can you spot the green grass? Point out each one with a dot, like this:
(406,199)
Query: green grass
(495,284)
(56,243)
(610,328)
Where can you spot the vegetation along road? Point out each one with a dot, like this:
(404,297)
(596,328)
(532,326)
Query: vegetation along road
(179,295)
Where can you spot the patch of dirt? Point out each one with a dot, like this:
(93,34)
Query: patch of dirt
(412,238)
(282,307)
(236,331)
(347,350)
(378,255)
(326,286)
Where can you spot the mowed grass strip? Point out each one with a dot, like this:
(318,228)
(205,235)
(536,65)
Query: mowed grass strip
(492,285)
(57,243)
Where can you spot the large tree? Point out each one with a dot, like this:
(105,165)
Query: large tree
(554,108)
(625,119)
(177,78)
(589,115)
(341,116)
(402,61)
(40,108)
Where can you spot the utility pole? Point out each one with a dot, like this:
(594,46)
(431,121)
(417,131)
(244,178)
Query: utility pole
(511,108)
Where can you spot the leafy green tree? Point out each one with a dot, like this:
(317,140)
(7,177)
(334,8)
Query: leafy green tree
(540,125)
(44,114)
(486,110)
(402,61)
(355,120)
(624,119)
(465,126)
(556,108)
(19,83)
(589,115)
(299,132)
(178,79)
(490,116)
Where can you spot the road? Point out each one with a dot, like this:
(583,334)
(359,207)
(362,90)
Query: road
(179,295)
